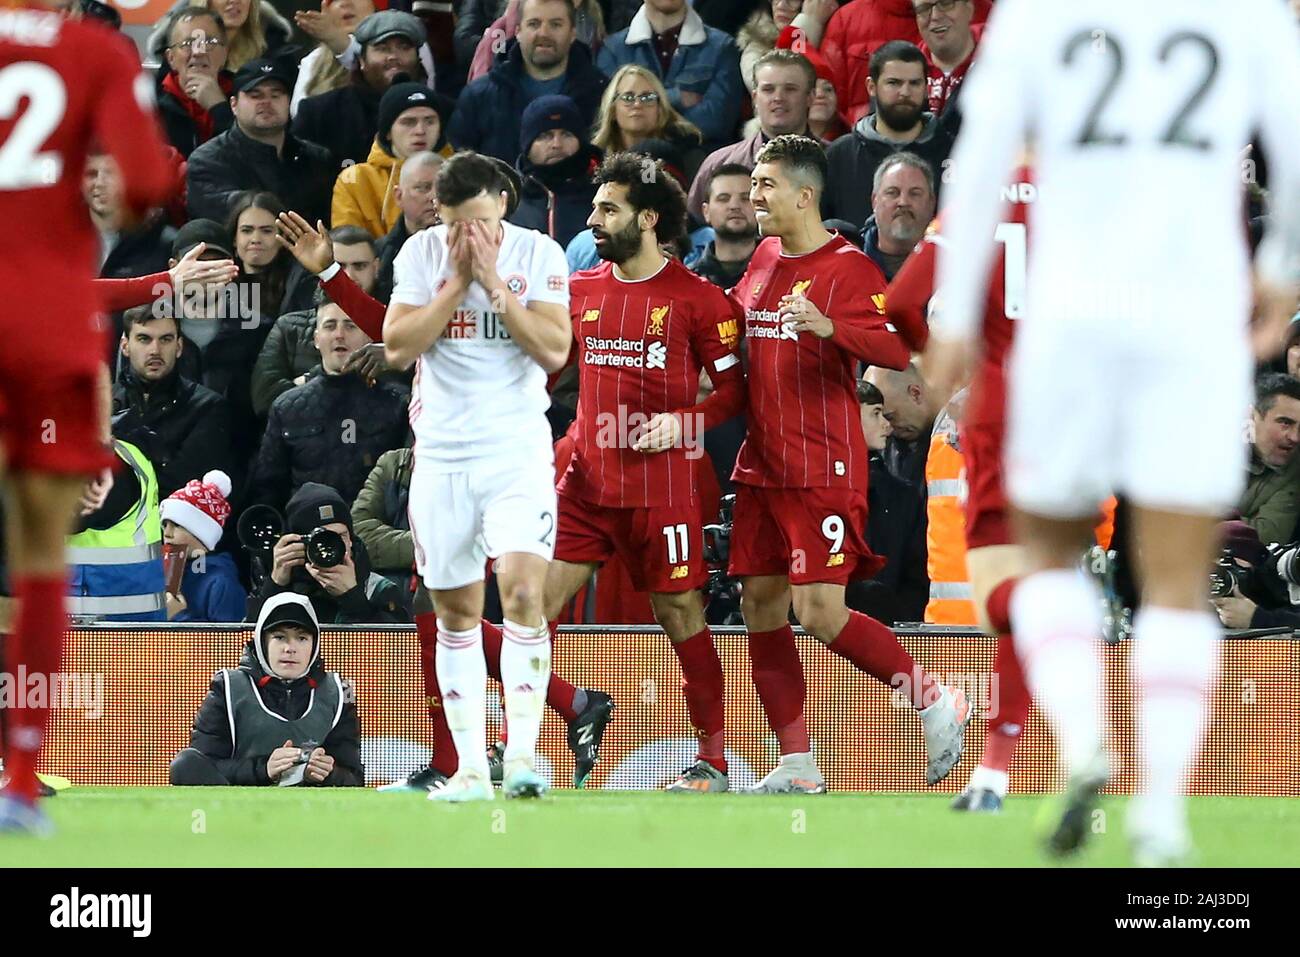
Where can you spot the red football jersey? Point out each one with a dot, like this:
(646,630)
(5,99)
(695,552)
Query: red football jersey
(63,84)
(805,429)
(640,348)
(909,296)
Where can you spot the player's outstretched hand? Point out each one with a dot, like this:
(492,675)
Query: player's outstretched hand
(662,432)
(312,247)
(319,766)
(803,316)
(1274,307)
(190,270)
(281,760)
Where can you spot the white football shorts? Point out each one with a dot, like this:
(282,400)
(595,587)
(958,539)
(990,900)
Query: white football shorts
(459,520)
(1096,409)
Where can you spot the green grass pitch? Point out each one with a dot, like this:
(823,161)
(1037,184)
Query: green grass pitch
(206,827)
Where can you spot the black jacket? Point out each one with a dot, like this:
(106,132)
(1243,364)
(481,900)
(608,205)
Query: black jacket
(184,428)
(869,242)
(722,275)
(302,175)
(332,429)
(387,249)
(210,734)
(374,600)
(344,121)
(852,160)
(488,114)
(177,123)
(896,524)
(140,252)
(288,352)
(556,200)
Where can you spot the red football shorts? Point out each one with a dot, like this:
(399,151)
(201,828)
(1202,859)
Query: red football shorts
(662,547)
(809,534)
(982,436)
(49,419)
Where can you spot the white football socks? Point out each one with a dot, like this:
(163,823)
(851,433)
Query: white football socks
(525,673)
(1056,621)
(1175,661)
(462,678)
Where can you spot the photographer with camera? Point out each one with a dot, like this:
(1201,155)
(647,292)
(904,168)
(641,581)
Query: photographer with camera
(1252,586)
(279,718)
(316,556)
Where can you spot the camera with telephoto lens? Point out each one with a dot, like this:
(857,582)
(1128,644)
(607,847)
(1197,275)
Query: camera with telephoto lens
(1286,559)
(325,547)
(261,526)
(1227,575)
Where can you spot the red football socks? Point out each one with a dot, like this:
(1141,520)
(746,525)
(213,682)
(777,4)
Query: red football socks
(874,648)
(36,648)
(445,759)
(703,685)
(778,679)
(998,606)
(1010,707)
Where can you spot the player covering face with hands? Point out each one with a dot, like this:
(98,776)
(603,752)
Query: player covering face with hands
(482,307)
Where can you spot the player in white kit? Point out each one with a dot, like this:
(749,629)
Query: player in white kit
(484,307)
(1139,294)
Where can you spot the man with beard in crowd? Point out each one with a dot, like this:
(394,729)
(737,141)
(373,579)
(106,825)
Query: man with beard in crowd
(898,87)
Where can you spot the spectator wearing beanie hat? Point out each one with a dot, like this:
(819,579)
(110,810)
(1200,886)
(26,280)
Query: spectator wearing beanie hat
(412,119)
(193,518)
(345,594)
(555,162)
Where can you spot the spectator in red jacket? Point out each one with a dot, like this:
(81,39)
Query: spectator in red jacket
(949,41)
(856,31)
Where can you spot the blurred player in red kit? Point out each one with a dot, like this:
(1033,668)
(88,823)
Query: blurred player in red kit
(645,327)
(993,560)
(813,308)
(63,84)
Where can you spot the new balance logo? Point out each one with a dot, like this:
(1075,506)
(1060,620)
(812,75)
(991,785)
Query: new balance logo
(656,356)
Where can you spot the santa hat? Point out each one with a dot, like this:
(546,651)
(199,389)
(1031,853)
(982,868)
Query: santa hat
(201,507)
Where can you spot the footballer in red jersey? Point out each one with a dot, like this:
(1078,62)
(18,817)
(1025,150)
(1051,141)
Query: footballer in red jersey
(813,309)
(993,561)
(63,84)
(645,328)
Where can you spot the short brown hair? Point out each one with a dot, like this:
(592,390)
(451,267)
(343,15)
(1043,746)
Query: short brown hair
(798,155)
(782,57)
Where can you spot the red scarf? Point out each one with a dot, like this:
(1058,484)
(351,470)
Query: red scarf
(201,117)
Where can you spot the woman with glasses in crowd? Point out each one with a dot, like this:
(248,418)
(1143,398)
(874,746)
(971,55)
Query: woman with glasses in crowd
(635,107)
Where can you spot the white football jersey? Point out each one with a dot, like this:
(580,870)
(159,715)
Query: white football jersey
(1137,112)
(478,395)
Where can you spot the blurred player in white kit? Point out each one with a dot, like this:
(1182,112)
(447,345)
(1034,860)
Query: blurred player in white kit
(484,307)
(1139,295)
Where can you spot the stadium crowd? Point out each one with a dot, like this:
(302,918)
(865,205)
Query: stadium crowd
(247,362)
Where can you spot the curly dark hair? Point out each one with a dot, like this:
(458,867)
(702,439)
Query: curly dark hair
(649,187)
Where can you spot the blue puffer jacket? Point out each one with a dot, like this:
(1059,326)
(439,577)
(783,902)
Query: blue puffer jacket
(706,62)
(490,109)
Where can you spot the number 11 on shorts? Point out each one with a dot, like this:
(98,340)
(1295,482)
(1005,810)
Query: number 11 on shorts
(678,543)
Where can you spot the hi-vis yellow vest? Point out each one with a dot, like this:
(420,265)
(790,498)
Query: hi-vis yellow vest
(945,537)
(117,573)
